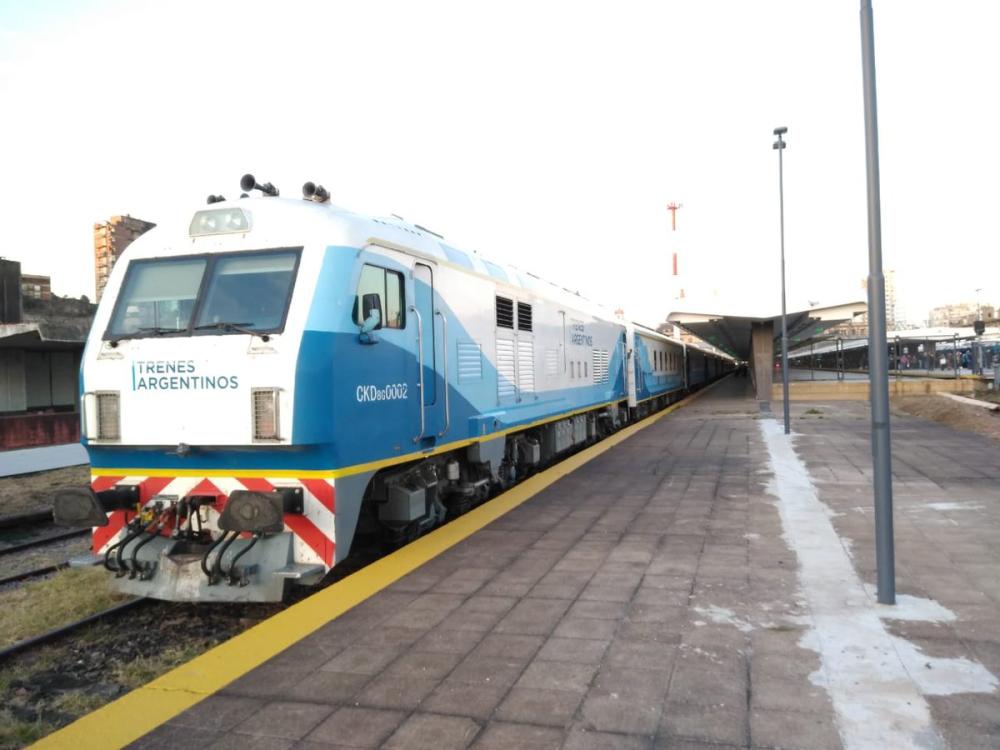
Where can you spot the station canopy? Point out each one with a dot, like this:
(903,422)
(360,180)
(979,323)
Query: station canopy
(731,332)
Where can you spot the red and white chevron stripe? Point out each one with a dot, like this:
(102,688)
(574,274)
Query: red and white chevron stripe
(314,530)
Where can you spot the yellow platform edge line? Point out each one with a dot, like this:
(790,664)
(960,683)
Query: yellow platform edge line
(141,711)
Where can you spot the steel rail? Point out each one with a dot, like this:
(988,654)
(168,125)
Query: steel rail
(62,630)
(25,519)
(43,541)
(17,577)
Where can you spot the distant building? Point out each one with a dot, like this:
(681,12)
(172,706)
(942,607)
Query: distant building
(959,315)
(110,241)
(850,329)
(891,322)
(677,333)
(36,287)
(858,328)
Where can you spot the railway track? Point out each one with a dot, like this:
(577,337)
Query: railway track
(63,630)
(16,520)
(20,524)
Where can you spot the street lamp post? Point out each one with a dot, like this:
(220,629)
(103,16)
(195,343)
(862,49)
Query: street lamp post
(878,375)
(978,363)
(779,146)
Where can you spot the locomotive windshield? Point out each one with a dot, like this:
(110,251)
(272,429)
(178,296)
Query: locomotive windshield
(205,294)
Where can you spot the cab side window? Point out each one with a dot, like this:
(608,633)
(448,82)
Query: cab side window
(388,285)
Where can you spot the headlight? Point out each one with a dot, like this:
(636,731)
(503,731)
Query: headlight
(264,405)
(219,221)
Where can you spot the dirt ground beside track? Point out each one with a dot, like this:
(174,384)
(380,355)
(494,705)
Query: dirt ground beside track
(951,413)
(29,492)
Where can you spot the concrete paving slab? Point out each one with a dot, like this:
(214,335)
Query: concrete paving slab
(659,596)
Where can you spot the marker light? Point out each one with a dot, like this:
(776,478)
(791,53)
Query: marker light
(219,221)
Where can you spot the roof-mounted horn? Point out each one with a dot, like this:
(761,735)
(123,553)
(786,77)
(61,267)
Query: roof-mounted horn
(314,192)
(249,183)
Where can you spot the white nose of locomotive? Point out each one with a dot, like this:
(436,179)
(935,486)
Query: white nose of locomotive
(195,348)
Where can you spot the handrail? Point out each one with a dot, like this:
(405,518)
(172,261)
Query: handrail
(444,344)
(624,343)
(420,368)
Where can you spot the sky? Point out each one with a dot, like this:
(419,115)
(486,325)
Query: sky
(547,135)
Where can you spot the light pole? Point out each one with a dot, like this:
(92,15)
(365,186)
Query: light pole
(779,145)
(878,371)
(978,363)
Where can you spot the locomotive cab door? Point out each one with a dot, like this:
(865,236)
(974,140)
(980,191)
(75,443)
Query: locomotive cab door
(430,360)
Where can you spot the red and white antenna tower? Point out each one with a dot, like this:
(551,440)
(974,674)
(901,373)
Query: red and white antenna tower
(672,208)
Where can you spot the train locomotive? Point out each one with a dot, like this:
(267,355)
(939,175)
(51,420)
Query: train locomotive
(270,378)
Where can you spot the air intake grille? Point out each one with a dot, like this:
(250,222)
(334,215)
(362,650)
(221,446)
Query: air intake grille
(551,362)
(523,316)
(265,413)
(525,366)
(506,369)
(505,313)
(470,362)
(108,416)
(600,368)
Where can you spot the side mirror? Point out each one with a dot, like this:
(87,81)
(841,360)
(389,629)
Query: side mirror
(371,314)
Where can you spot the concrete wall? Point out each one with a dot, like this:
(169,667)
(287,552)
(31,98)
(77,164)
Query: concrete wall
(13,390)
(51,379)
(857,390)
(30,430)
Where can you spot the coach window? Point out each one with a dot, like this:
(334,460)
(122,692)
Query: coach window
(388,285)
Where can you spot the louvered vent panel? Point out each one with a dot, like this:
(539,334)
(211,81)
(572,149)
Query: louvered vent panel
(552,363)
(470,362)
(505,313)
(523,316)
(526,366)
(600,366)
(506,369)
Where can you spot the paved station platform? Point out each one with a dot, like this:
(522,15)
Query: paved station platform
(706,583)
(29,460)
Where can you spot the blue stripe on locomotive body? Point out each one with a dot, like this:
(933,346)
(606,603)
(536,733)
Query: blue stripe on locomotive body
(335,426)
(334,367)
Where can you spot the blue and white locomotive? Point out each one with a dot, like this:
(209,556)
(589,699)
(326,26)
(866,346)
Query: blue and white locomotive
(272,376)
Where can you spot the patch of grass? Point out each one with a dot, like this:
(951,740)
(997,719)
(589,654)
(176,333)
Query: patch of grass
(28,492)
(16,733)
(21,670)
(138,672)
(813,411)
(36,607)
(78,703)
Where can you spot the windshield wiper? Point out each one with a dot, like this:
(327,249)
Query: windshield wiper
(159,330)
(224,325)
